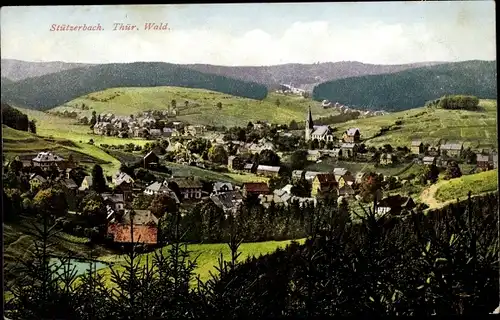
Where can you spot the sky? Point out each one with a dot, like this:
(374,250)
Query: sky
(256,34)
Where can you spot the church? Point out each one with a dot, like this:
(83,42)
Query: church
(321,133)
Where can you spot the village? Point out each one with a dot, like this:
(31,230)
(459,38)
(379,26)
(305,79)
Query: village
(233,152)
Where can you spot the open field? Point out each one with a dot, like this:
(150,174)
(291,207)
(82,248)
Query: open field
(202,107)
(27,145)
(187,171)
(329,164)
(476,183)
(49,125)
(208,255)
(474,128)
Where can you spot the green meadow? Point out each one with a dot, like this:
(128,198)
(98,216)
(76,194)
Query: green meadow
(474,128)
(202,105)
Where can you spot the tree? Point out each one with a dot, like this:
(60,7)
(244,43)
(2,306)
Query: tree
(144,175)
(452,171)
(278,103)
(293,125)
(314,144)
(142,201)
(250,125)
(186,104)
(278,182)
(174,104)
(50,202)
(370,184)
(198,145)
(219,105)
(430,173)
(322,144)
(469,156)
(298,159)
(98,179)
(16,166)
(269,157)
(217,154)
(387,148)
(301,188)
(32,126)
(329,145)
(93,209)
(93,120)
(163,203)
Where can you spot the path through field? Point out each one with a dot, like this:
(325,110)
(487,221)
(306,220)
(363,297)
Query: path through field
(428,196)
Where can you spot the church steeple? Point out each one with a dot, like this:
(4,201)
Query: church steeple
(310,123)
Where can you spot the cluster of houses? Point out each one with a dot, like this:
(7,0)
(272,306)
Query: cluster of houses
(442,154)
(344,109)
(145,126)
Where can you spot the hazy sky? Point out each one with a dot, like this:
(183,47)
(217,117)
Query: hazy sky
(256,34)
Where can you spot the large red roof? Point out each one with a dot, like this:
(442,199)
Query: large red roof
(256,187)
(142,233)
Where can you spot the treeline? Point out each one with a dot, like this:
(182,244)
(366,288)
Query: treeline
(442,263)
(339,118)
(55,89)
(412,88)
(455,102)
(16,119)
(207,223)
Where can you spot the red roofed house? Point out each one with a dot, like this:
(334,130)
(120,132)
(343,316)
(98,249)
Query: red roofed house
(324,183)
(144,227)
(255,188)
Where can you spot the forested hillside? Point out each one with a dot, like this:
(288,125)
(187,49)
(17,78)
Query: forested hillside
(412,88)
(54,89)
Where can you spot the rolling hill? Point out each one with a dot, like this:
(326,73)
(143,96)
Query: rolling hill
(16,70)
(26,145)
(412,88)
(474,128)
(202,105)
(300,75)
(51,90)
(304,76)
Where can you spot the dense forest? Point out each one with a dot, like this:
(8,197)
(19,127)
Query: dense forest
(16,119)
(444,262)
(412,88)
(54,89)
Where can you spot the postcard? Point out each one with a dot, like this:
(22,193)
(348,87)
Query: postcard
(331,144)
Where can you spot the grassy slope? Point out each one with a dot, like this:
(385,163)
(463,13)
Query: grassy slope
(235,110)
(20,143)
(49,125)
(459,187)
(431,125)
(208,255)
(188,171)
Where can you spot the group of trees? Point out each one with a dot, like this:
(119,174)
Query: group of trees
(16,119)
(454,102)
(442,263)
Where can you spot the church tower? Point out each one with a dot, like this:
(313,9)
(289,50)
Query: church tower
(309,125)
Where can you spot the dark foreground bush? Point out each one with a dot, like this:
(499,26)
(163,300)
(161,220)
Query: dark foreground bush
(444,263)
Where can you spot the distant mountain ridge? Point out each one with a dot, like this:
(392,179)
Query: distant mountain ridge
(412,88)
(16,70)
(304,76)
(51,90)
